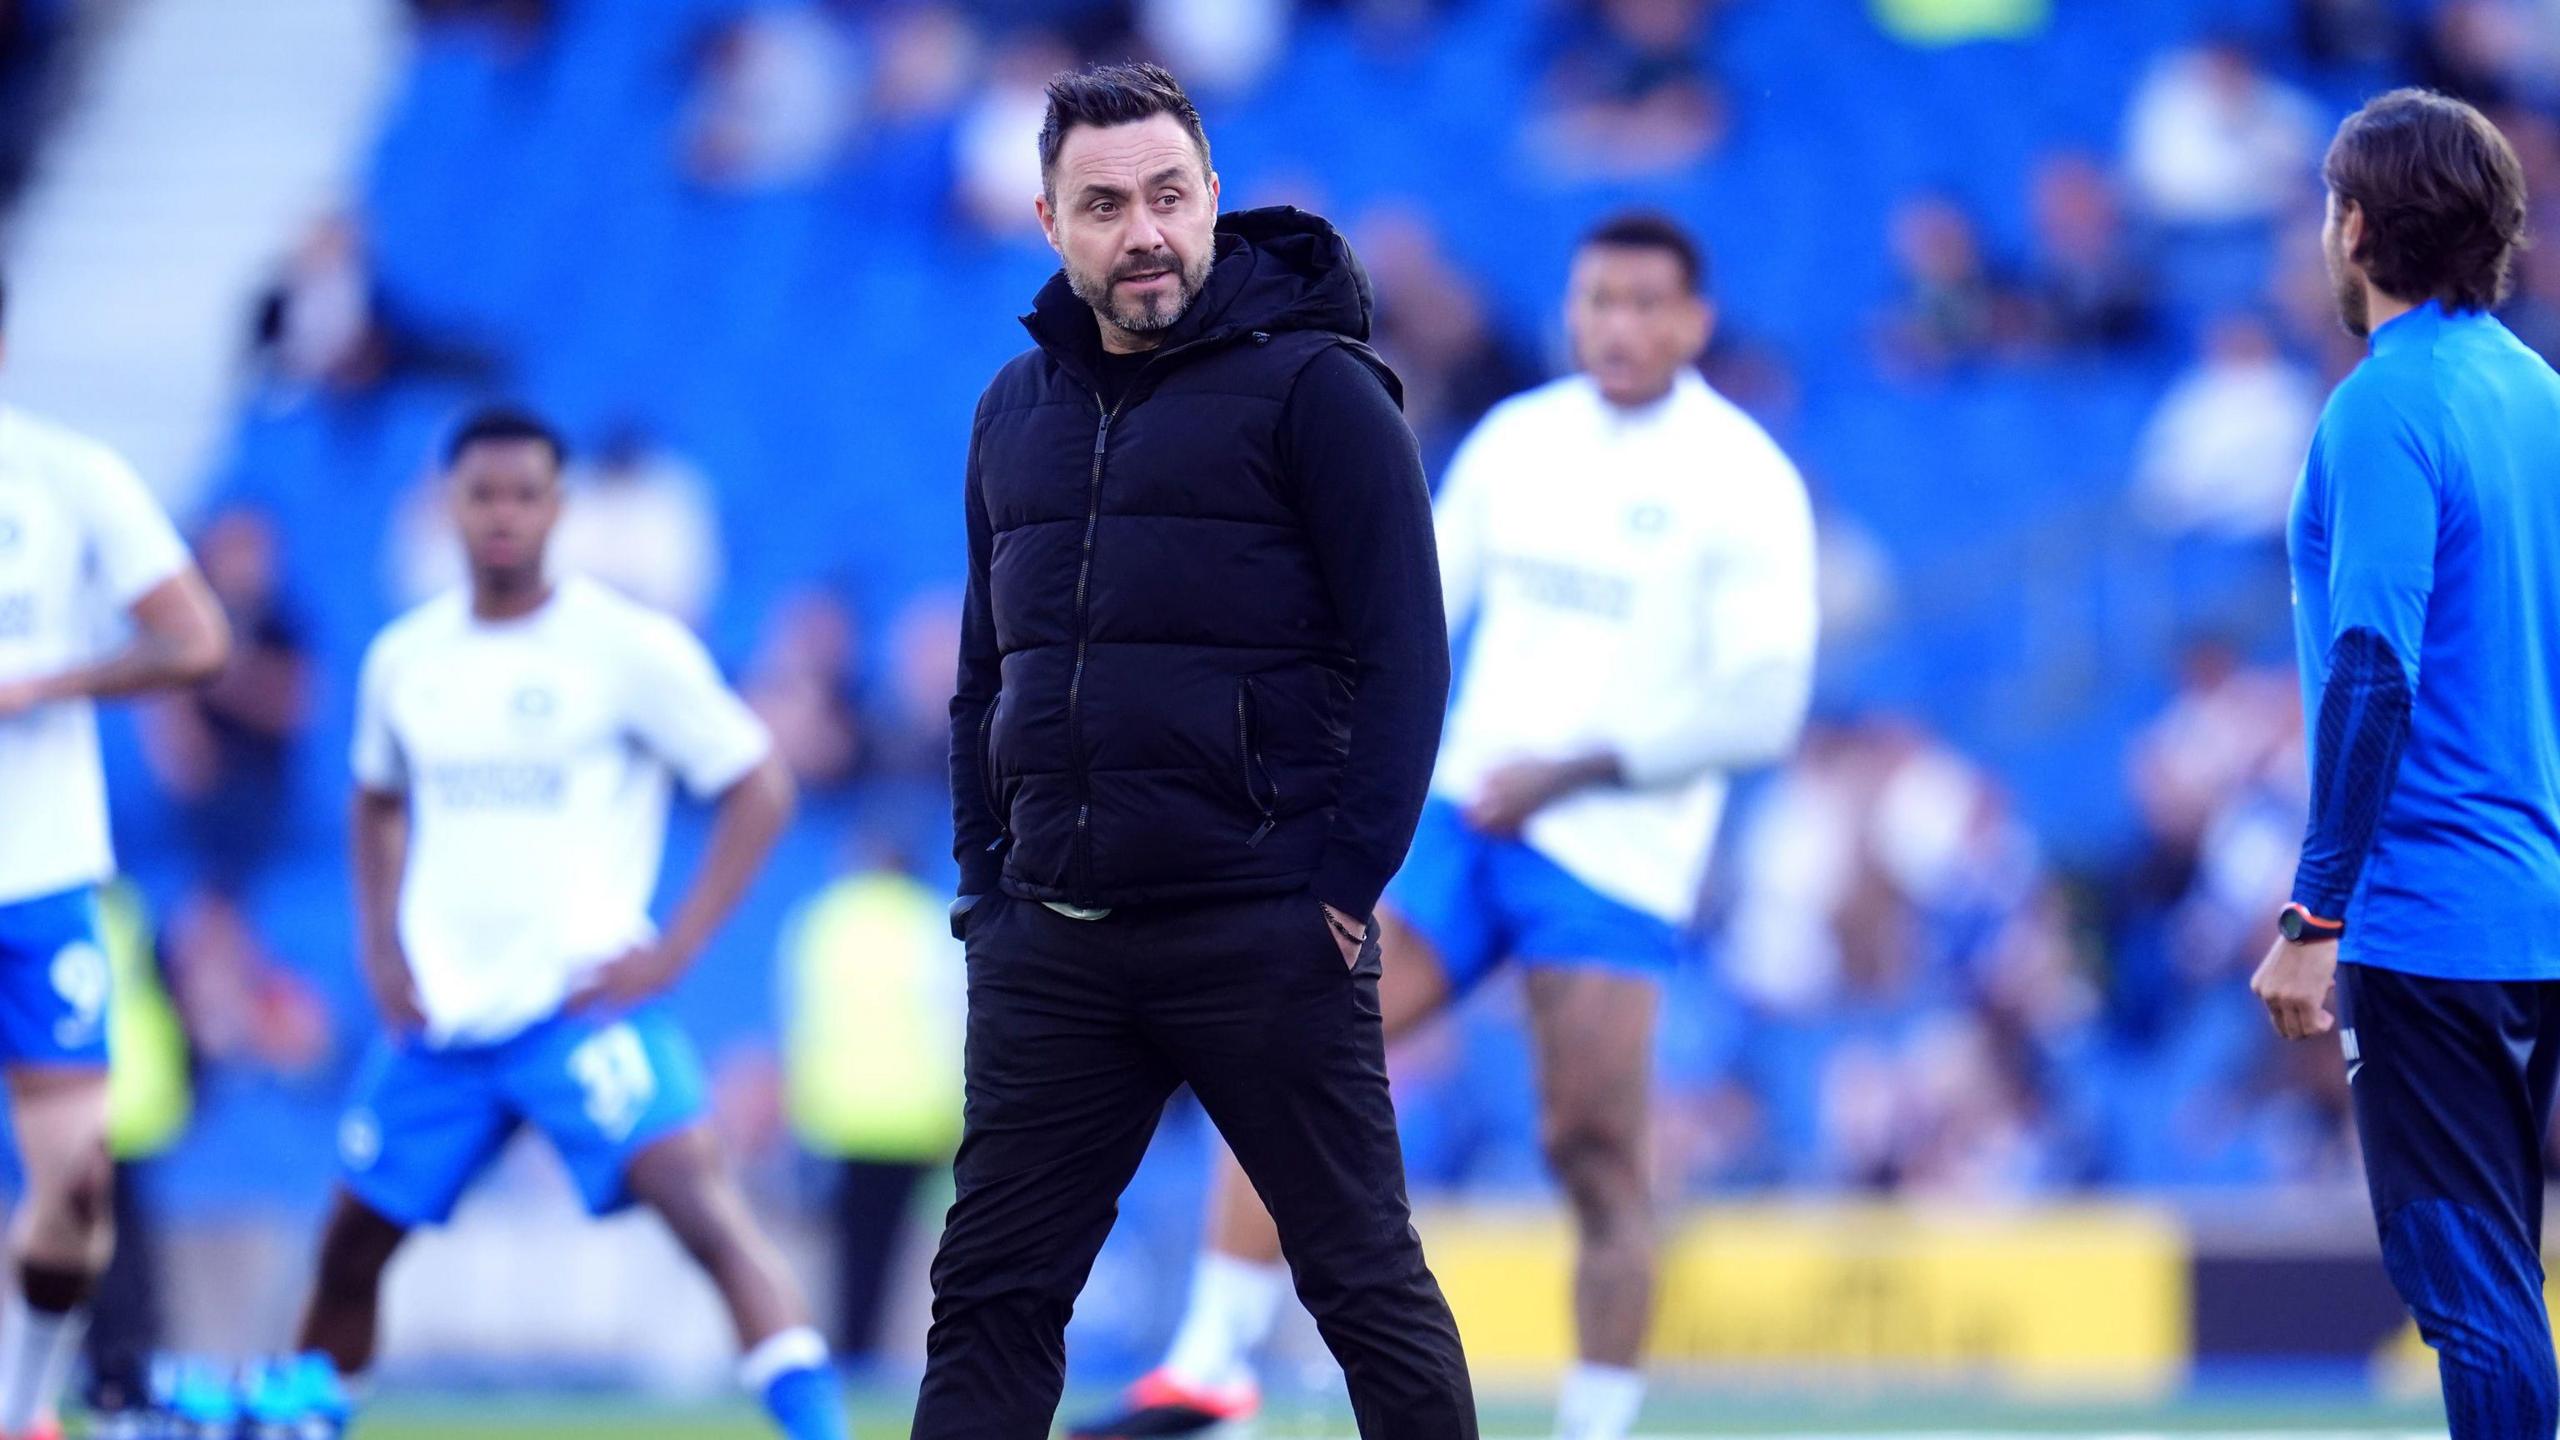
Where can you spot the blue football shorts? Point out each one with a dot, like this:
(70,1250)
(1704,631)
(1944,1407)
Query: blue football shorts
(426,1120)
(1481,900)
(54,981)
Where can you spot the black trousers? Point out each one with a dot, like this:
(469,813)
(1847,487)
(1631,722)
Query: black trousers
(2453,1083)
(1078,1033)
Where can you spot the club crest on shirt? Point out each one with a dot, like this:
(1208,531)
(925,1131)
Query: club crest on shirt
(535,702)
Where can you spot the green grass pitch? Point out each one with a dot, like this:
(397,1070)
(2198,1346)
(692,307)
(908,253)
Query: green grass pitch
(1761,1418)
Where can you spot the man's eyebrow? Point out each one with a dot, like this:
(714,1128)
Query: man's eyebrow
(1104,190)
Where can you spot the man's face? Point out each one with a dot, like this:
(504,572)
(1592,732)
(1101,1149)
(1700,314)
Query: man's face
(1130,210)
(1633,321)
(506,498)
(2340,233)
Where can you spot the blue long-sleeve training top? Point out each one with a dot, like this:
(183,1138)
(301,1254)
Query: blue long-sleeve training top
(2425,543)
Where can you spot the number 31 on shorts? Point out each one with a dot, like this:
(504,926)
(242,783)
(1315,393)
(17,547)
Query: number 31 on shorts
(612,1067)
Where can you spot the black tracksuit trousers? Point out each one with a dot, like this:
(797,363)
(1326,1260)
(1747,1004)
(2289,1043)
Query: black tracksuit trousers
(1078,1033)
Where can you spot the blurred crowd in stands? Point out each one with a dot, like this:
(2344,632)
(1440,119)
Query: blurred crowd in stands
(1908,976)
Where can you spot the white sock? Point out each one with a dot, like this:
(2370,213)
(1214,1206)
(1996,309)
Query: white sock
(358,1388)
(1233,1305)
(36,1351)
(799,1348)
(1599,1402)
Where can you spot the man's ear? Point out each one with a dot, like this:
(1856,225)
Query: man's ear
(1213,188)
(2351,229)
(1048,214)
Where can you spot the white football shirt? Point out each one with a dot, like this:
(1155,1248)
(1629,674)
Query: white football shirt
(1640,581)
(536,756)
(80,541)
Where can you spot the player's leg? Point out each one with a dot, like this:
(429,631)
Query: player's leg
(785,1362)
(53,999)
(1240,1282)
(1063,1094)
(422,1126)
(1596,967)
(1594,1033)
(623,1099)
(682,1179)
(62,1237)
(342,1317)
(1284,1045)
(2452,1086)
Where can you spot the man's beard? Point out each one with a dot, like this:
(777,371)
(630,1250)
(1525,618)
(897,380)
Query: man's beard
(1144,314)
(2355,308)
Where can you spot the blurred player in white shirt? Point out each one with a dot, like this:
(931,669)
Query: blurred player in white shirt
(82,546)
(1636,558)
(515,745)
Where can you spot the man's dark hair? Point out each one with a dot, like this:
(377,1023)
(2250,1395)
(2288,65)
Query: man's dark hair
(504,422)
(2442,196)
(1653,230)
(1106,95)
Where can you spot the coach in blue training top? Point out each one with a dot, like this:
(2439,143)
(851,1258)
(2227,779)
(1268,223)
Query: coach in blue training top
(2426,571)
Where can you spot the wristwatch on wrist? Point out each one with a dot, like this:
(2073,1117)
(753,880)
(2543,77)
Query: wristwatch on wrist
(2301,927)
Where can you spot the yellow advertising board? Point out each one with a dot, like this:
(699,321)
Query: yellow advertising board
(2066,1298)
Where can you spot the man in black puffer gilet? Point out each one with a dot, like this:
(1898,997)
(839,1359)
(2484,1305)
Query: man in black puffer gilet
(1203,667)
(1170,713)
